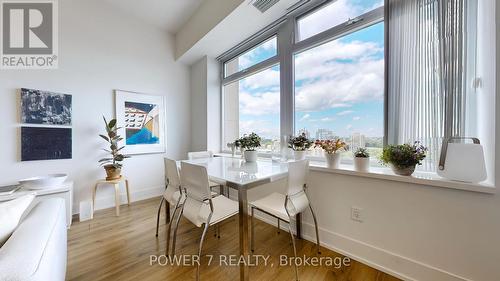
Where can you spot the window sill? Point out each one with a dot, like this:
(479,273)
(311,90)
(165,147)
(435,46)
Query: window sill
(383,173)
(420,178)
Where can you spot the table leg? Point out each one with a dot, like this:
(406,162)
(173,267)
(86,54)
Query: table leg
(128,192)
(298,221)
(243,229)
(117,199)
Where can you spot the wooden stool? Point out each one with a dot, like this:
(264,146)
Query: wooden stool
(116,184)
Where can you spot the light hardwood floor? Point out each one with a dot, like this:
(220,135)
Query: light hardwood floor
(119,248)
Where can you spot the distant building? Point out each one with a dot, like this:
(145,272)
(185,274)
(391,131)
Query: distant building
(324,134)
(357,140)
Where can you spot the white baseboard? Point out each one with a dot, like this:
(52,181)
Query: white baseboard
(380,259)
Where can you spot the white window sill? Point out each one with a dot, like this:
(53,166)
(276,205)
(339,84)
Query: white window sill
(383,173)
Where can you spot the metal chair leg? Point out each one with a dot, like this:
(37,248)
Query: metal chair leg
(199,250)
(316,227)
(167,212)
(158,216)
(279,228)
(294,252)
(175,229)
(252,231)
(170,227)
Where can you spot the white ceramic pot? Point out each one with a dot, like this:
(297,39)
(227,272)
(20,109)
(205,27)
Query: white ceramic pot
(333,160)
(250,155)
(299,154)
(362,164)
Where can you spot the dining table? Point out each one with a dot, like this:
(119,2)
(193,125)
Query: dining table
(241,176)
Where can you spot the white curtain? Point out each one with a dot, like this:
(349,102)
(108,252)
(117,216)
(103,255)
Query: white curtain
(427,72)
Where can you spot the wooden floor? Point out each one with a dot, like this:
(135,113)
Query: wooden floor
(119,248)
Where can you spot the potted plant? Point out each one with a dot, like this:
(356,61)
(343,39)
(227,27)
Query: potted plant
(112,164)
(249,143)
(403,158)
(361,160)
(332,149)
(300,144)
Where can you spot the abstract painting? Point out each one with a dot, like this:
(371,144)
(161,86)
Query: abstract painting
(41,107)
(38,143)
(141,121)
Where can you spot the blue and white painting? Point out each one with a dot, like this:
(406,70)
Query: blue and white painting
(142,125)
(42,107)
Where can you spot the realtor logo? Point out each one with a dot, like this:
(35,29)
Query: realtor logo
(29,34)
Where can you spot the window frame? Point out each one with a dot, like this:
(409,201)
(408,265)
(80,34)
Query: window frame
(288,43)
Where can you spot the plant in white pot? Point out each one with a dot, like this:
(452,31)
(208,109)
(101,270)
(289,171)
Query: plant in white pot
(249,143)
(361,160)
(112,164)
(332,149)
(403,158)
(300,144)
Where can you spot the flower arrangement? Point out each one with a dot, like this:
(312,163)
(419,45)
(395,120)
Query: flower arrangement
(361,152)
(404,157)
(331,146)
(249,142)
(300,143)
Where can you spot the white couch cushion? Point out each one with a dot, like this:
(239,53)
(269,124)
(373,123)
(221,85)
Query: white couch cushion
(37,250)
(10,214)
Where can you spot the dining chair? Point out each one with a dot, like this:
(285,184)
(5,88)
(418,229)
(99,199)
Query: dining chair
(172,196)
(207,154)
(200,207)
(284,207)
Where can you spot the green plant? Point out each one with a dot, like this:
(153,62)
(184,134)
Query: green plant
(361,152)
(404,155)
(249,142)
(112,138)
(300,143)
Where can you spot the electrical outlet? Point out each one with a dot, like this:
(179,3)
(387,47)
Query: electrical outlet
(356,214)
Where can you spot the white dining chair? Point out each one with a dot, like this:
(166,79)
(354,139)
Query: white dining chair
(284,207)
(172,196)
(200,207)
(207,154)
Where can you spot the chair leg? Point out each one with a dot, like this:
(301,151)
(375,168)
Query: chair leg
(279,228)
(167,212)
(199,251)
(158,216)
(252,231)
(316,227)
(175,229)
(294,252)
(169,227)
(217,227)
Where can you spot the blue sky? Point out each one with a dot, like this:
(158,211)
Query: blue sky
(339,85)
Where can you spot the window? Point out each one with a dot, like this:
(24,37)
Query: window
(333,83)
(333,14)
(260,53)
(339,90)
(252,104)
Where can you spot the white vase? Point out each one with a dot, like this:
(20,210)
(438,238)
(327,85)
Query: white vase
(250,155)
(299,154)
(332,160)
(362,164)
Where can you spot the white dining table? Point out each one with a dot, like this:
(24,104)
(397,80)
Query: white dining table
(237,174)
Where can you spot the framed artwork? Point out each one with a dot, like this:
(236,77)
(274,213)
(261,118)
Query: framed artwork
(47,108)
(40,143)
(142,121)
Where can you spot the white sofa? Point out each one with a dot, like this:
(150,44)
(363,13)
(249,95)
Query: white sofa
(37,250)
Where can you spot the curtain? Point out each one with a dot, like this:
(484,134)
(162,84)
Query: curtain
(427,72)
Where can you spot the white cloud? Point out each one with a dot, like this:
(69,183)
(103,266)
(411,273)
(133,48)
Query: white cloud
(327,119)
(345,112)
(348,127)
(260,127)
(259,103)
(269,78)
(356,118)
(305,117)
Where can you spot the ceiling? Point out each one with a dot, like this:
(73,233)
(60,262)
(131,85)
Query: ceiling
(169,15)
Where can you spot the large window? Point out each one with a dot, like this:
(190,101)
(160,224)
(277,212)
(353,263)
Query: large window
(339,89)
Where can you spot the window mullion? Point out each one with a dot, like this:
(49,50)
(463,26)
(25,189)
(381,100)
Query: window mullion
(285,42)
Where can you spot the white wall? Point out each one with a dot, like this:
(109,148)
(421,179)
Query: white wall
(100,50)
